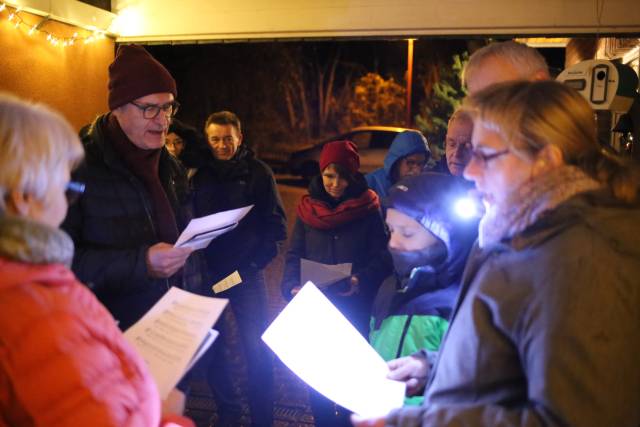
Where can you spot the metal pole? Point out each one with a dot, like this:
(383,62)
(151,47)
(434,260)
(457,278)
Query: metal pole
(409,81)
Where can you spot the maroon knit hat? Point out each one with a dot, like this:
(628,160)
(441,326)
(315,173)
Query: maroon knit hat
(344,153)
(135,73)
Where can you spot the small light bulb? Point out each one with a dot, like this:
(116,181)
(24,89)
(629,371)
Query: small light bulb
(11,16)
(2,7)
(466,208)
(32,30)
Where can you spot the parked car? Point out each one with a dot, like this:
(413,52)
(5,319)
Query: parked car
(372,141)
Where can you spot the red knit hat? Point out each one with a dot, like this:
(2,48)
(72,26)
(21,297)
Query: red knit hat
(344,153)
(134,74)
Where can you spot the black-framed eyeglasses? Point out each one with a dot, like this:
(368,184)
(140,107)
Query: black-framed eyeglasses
(73,191)
(151,111)
(484,159)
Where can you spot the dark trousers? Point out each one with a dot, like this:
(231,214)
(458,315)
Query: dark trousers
(248,305)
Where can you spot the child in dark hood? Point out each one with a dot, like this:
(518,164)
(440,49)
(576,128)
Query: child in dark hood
(429,245)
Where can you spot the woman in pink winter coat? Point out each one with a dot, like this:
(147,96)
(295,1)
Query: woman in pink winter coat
(63,361)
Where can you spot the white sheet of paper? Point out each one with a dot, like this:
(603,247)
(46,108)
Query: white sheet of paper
(323,275)
(201,231)
(319,345)
(170,333)
(212,334)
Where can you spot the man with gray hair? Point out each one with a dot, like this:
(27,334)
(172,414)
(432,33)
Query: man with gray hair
(502,62)
(136,197)
(494,63)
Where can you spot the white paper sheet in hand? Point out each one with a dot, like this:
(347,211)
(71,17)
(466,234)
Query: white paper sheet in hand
(323,275)
(169,335)
(201,231)
(211,336)
(319,345)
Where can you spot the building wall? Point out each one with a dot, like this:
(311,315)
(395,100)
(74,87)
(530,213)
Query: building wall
(72,79)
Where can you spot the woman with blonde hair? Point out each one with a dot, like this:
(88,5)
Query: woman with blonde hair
(545,331)
(63,360)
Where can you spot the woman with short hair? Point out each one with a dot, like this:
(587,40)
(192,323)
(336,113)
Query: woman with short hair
(63,360)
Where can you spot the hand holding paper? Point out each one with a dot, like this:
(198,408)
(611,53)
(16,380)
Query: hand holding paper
(323,275)
(319,345)
(201,231)
(163,259)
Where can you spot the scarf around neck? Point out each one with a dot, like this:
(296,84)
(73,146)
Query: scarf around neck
(319,214)
(145,165)
(531,201)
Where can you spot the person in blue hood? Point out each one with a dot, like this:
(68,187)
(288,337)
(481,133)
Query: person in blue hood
(429,243)
(407,156)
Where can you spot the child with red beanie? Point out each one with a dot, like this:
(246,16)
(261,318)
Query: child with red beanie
(339,221)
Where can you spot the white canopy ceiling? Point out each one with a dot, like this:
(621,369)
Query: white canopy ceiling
(170,20)
(224,20)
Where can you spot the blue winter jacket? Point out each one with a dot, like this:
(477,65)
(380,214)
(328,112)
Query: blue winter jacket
(404,144)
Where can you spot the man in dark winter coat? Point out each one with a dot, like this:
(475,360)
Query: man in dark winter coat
(125,224)
(229,178)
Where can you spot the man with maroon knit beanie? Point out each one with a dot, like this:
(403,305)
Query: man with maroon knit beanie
(134,203)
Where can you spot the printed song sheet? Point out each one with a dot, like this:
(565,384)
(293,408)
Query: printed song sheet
(169,335)
(319,345)
(201,231)
(323,275)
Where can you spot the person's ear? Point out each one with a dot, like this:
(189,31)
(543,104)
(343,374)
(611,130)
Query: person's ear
(19,203)
(240,138)
(550,157)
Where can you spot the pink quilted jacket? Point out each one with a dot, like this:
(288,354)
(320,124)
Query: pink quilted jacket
(63,361)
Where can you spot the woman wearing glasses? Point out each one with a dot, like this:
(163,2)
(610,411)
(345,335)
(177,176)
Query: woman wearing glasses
(545,331)
(63,360)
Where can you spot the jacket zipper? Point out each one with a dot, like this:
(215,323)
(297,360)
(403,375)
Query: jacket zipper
(147,210)
(405,329)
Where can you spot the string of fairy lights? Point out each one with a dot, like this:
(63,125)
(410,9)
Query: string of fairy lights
(15,18)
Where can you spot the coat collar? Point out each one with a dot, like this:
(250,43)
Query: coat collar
(28,241)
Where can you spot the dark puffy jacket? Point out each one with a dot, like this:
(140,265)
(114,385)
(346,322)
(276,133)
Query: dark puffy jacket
(112,226)
(362,242)
(222,185)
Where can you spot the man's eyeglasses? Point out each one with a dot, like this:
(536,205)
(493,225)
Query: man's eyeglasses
(73,191)
(151,111)
(484,159)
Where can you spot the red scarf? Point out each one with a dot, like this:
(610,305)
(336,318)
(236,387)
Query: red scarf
(318,214)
